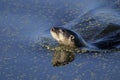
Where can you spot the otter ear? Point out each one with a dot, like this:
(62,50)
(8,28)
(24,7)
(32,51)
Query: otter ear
(72,37)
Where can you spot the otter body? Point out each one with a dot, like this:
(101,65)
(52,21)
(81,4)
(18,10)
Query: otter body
(69,38)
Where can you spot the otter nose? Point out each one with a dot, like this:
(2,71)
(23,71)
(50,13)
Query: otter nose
(53,28)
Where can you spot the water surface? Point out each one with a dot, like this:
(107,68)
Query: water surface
(23,23)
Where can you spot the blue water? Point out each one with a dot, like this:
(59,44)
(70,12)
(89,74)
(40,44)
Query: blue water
(24,22)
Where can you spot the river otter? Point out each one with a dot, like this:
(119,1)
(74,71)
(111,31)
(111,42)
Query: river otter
(69,38)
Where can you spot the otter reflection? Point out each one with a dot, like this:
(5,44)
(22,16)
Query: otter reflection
(61,58)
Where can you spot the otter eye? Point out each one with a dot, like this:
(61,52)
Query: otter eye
(72,37)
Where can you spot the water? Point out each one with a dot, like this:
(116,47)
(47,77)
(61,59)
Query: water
(24,22)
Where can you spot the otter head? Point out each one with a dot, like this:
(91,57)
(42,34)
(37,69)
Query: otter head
(66,37)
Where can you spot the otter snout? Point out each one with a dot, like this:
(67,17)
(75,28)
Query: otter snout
(53,29)
(54,33)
